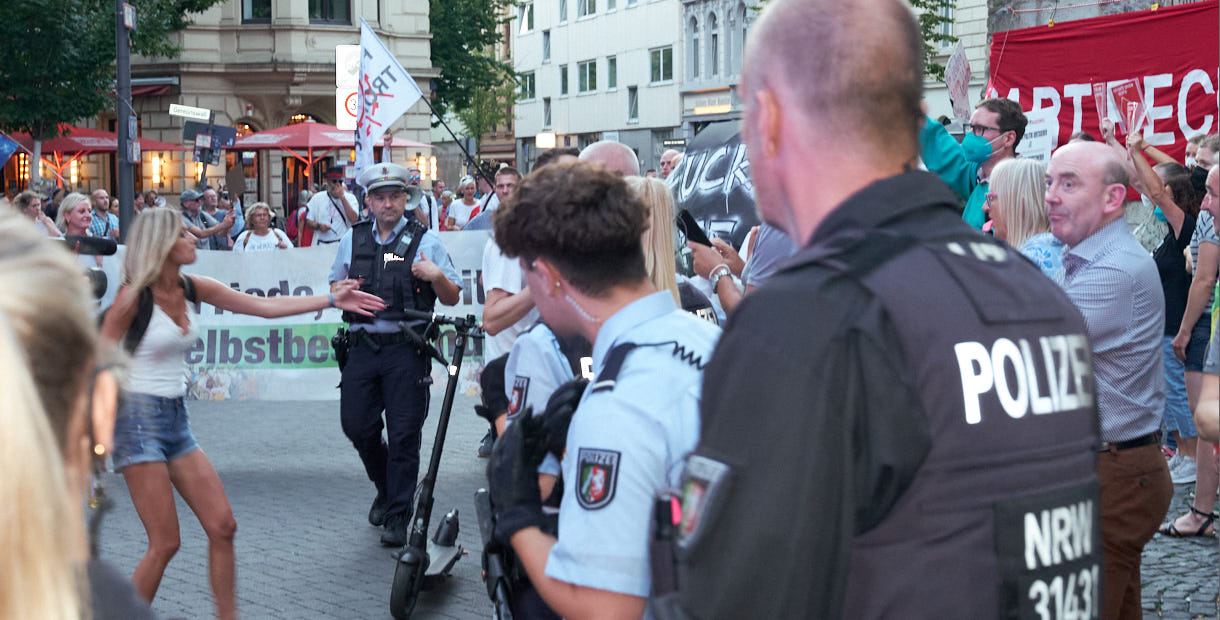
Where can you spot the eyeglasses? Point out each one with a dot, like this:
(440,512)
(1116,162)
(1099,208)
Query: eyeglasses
(979,130)
(337,181)
(414,177)
(990,200)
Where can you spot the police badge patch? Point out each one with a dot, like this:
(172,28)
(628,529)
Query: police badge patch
(521,389)
(597,471)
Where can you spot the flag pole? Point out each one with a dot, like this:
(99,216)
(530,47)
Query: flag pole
(473,164)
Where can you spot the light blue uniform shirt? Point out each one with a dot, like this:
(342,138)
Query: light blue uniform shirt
(627,444)
(536,367)
(430,246)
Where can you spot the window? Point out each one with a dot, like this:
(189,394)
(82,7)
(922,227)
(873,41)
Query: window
(946,27)
(525,13)
(611,5)
(632,2)
(254,11)
(546,45)
(585,7)
(587,76)
(563,11)
(692,55)
(329,12)
(633,103)
(546,111)
(611,72)
(527,86)
(713,45)
(563,79)
(661,61)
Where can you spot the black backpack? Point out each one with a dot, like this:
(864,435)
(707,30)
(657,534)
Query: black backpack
(144,310)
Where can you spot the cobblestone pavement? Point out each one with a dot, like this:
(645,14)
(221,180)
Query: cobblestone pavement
(305,550)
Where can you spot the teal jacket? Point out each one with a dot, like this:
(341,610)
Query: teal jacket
(943,155)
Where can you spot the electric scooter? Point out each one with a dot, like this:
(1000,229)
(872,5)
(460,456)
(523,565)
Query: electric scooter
(423,561)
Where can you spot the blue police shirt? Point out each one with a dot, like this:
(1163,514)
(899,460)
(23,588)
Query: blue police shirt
(536,367)
(430,246)
(627,444)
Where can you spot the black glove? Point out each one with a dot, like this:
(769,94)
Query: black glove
(512,482)
(495,400)
(549,431)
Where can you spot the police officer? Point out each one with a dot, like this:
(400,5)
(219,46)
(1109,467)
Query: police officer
(901,422)
(407,266)
(576,229)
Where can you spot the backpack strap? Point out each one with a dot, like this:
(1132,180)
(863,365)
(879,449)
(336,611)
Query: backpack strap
(144,310)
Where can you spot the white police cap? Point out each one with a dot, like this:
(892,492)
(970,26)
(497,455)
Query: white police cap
(385,175)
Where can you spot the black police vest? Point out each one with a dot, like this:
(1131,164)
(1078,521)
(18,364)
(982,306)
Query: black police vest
(1003,369)
(388,275)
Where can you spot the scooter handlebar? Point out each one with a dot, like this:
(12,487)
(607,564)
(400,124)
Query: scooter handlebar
(466,322)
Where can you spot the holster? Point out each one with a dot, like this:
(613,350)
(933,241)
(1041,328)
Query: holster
(341,342)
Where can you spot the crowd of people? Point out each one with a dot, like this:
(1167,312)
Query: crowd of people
(930,353)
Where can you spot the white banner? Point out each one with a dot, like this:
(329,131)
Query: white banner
(387,91)
(957,78)
(240,357)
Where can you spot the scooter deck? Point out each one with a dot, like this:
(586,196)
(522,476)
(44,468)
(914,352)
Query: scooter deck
(441,559)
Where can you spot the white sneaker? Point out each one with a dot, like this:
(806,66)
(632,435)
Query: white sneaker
(1184,473)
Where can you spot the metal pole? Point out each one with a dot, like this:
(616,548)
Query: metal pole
(473,164)
(123,116)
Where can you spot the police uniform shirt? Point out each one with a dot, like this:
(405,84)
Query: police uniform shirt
(627,443)
(506,274)
(536,367)
(430,247)
(325,210)
(820,419)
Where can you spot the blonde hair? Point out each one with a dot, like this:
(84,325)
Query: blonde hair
(47,341)
(152,236)
(1020,189)
(658,238)
(65,207)
(258,205)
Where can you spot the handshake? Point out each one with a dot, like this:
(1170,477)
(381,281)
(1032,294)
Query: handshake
(512,470)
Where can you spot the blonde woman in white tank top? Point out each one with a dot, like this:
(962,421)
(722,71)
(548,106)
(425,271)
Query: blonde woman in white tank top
(154,447)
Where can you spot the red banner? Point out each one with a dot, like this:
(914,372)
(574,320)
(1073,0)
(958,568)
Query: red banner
(1172,52)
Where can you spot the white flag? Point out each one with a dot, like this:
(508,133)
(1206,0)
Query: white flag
(386,92)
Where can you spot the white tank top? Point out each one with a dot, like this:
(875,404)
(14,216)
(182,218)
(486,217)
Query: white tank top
(159,364)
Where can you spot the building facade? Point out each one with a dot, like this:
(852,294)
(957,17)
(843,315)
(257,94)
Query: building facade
(262,64)
(597,69)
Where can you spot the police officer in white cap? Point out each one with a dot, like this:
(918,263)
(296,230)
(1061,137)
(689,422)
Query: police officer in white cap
(407,266)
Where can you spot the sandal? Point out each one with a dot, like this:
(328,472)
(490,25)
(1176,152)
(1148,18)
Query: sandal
(1170,529)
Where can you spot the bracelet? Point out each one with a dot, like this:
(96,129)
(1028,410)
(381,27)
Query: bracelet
(332,300)
(717,273)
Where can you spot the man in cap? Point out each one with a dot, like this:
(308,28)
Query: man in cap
(209,233)
(332,212)
(405,264)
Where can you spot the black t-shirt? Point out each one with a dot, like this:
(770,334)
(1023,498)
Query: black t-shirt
(1175,280)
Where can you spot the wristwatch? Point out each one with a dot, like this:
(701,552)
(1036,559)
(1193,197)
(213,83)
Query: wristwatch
(719,272)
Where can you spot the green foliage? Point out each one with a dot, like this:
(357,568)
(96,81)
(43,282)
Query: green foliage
(57,60)
(931,17)
(489,106)
(463,31)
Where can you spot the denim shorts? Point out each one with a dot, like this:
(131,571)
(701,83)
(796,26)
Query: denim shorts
(1196,349)
(151,429)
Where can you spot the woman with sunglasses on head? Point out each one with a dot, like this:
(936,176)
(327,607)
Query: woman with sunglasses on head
(460,212)
(154,447)
(58,421)
(260,236)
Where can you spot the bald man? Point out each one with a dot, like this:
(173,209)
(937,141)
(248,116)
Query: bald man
(669,161)
(615,156)
(876,429)
(1115,284)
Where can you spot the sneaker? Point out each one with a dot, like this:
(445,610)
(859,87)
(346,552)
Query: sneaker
(377,511)
(1168,451)
(1184,473)
(486,445)
(397,529)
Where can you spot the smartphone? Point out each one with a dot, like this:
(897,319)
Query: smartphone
(689,227)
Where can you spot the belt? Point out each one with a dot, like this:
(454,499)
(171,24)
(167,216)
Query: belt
(1115,446)
(331,241)
(379,339)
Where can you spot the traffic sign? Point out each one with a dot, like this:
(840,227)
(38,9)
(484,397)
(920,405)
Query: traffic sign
(186,111)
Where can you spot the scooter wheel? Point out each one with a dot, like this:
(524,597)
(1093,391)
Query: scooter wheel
(408,578)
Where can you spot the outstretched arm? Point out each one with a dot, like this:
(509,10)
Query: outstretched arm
(345,295)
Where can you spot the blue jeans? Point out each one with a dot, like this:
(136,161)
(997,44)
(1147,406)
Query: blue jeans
(1177,408)
(151,429)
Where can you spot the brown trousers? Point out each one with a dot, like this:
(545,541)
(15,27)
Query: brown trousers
(1135,495)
